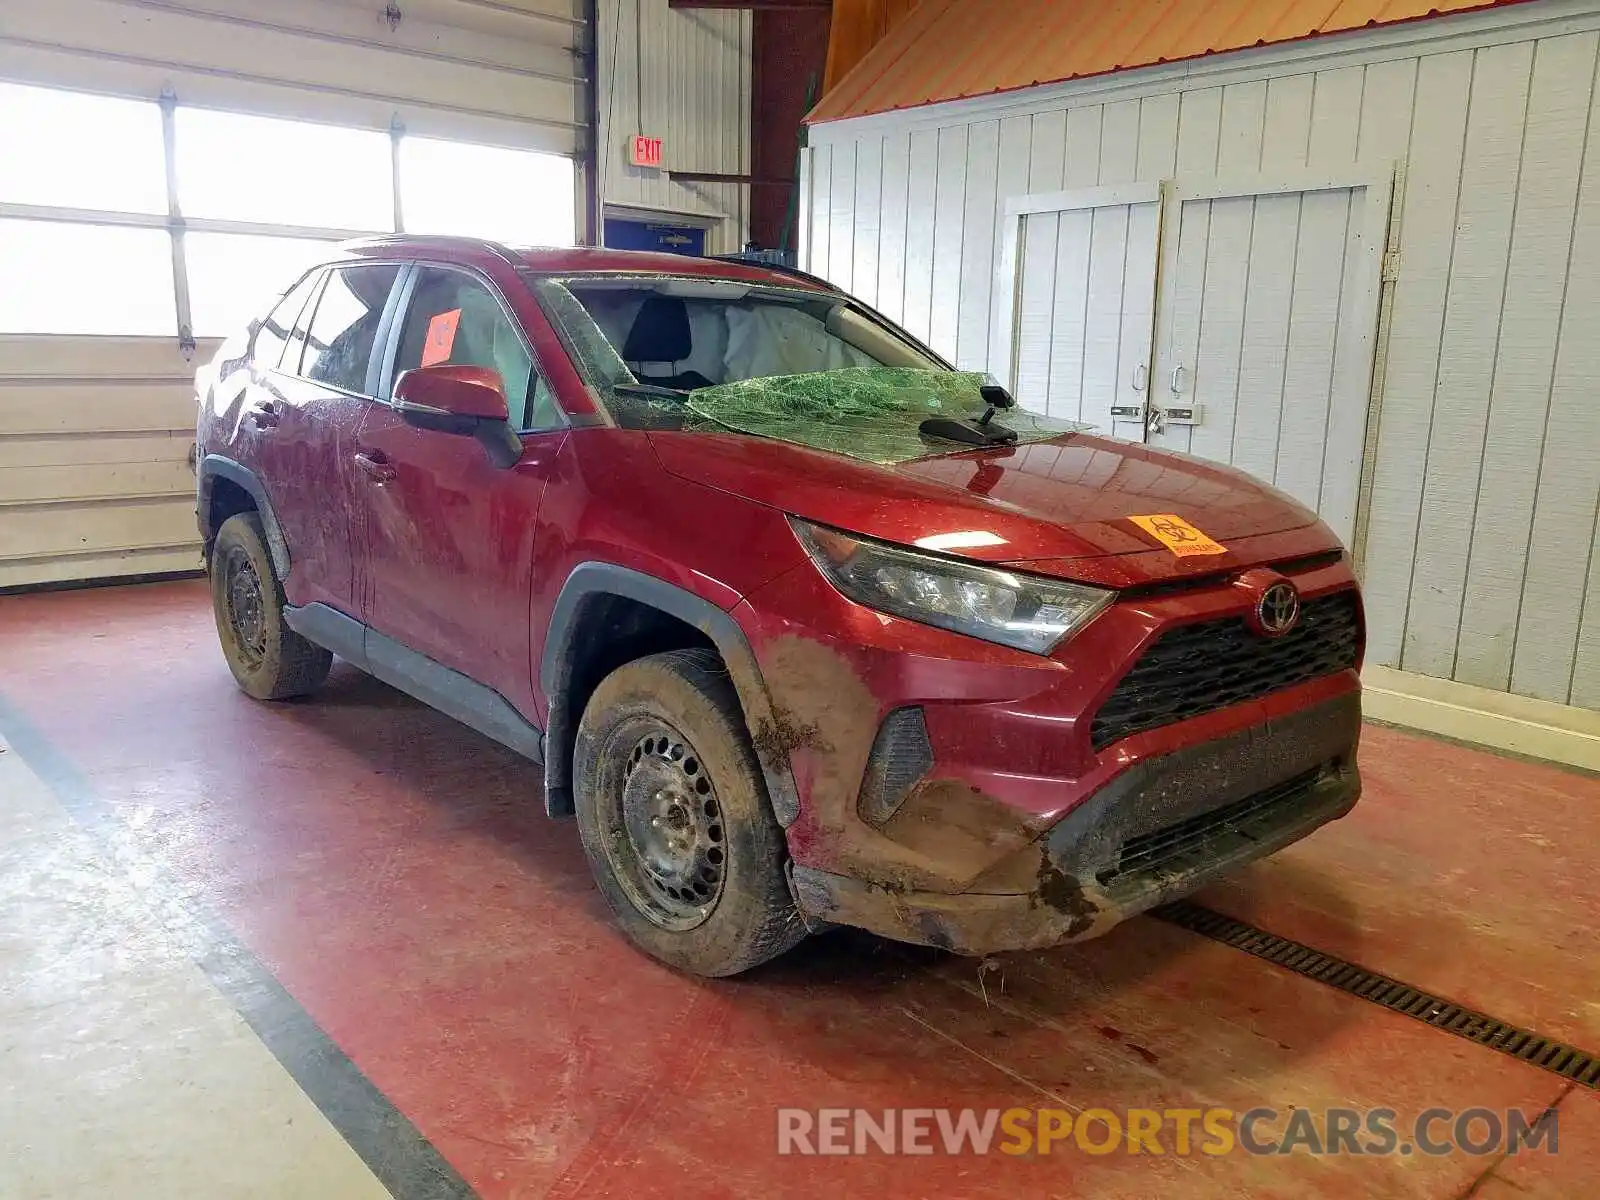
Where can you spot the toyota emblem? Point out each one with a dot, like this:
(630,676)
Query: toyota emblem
(1278,610)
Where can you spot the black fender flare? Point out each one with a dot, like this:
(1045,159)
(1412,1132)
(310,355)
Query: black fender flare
(216,466)
(560,650)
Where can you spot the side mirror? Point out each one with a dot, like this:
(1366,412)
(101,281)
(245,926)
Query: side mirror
(468,394)
(460,399)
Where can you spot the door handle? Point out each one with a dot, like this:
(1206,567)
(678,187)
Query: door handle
(375,465)
(1177,380)
(1141,377)
(265,417)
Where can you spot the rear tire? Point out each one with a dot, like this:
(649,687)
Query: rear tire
(674,817)
(269,660)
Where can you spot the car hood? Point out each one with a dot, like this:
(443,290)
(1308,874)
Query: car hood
(1058,507)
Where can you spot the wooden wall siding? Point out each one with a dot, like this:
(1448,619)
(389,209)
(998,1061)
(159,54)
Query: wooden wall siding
(694,71)
(1483,476)
(94,446)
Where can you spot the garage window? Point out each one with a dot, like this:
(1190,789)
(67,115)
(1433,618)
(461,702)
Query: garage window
(124,285)
(242,168)
(83,178)
(486,191)
(80,151)
(231,275)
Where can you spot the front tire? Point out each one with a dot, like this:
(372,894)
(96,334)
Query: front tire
(269,660)
(674,817)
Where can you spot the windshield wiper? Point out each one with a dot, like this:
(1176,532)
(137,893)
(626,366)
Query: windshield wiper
(649,389)
(978,431)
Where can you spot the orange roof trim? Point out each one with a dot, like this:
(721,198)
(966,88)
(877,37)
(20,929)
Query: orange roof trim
(953,49)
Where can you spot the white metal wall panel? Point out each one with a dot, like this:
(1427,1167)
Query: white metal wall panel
(1473,305)
(1478,565)
(892,226)
(868,206)
(1561,559)
(1010,180)
(841,218)
(1559,100)
(977,238)
(921,188)
(682,75)
(948,210)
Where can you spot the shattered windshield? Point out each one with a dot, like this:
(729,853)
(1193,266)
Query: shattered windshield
(799,366)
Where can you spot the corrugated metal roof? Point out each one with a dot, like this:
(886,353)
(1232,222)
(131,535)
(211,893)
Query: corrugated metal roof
(949,49)
(855,28)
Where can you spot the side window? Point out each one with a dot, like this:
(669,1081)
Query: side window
(340,337)
(274,332)
(454,318)
(295,350)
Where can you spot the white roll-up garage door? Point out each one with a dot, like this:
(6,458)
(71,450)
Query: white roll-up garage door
(165,165)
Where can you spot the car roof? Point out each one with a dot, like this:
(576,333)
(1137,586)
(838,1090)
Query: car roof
(570,260)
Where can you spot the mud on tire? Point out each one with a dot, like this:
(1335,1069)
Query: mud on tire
(269,660)
(674,817)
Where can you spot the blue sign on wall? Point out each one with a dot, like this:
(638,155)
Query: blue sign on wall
(651,235)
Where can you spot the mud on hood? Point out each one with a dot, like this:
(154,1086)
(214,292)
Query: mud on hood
(1059,507)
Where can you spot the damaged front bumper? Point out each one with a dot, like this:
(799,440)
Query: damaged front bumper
(1166,826)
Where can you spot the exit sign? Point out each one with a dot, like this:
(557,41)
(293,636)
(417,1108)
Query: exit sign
(645,151)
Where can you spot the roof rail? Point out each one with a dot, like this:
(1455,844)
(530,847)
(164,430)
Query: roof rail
(498,249)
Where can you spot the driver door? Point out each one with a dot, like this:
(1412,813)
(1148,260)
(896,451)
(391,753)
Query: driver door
(447,536)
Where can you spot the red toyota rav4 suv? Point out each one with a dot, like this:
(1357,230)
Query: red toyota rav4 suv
(804,626)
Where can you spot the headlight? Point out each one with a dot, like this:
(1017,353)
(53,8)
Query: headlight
(1024,611)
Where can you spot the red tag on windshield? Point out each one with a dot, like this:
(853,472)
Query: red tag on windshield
(441,338)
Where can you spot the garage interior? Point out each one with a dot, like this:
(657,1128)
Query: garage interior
(335,948)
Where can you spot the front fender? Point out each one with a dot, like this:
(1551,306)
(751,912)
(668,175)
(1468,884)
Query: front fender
(592,579)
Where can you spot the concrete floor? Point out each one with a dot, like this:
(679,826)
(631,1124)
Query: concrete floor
(329,948)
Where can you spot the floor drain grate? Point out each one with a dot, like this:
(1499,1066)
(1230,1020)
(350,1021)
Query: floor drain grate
(1545,1053)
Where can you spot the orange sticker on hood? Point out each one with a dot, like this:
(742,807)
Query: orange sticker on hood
(1177,535)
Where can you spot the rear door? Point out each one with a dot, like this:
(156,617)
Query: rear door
(306,413)
(448,536)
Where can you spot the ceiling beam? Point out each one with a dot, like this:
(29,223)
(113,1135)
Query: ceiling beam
(718,177)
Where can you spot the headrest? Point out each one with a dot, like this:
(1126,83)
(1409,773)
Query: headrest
(660,332)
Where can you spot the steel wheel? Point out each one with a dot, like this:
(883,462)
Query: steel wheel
(667,841)
(246,609)
(672,809)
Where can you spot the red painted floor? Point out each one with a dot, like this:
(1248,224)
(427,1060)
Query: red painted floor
(396,873)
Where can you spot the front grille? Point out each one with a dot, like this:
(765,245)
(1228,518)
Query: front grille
(1199,668)
(1195,841)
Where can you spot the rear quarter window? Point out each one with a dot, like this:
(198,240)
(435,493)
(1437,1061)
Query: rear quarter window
(273,333)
